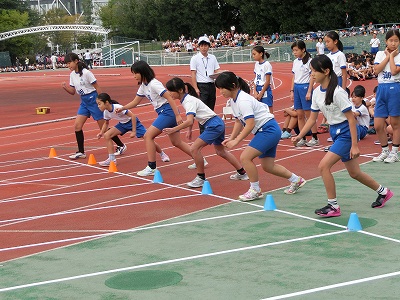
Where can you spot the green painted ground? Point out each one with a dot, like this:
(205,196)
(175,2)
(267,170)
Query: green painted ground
(250,256)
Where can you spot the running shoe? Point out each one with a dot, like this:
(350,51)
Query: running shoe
(107,162)
(238,176)
(329,139)
(250,195)
(301,143)
(196,183)
(286,135)
(146,172)
(120,149)
(77,155)
(328,211)
(392,158)
(295,186)
(193,166)
(164,157)
(382,199)
(313,142)
(381,157)
(326,149)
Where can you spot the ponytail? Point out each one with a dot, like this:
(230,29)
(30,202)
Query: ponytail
(228,80)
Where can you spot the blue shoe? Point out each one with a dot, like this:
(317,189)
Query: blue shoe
(286,135)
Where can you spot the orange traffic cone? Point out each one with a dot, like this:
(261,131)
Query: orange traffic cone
(112,168)
(52,153)
(92,160)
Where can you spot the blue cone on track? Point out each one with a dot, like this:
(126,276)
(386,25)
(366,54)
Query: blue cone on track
(354,223)
(269,203)
(157,177)
(206,188)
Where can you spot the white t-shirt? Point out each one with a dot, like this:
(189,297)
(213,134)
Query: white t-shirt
(385,76)
(121,117)
(333,112)
(301,71)
(261,71)
(363,118)
(374,42)
(154,91)
(246,106)
(197,108)
(82,84)
(320,47)
(339,61)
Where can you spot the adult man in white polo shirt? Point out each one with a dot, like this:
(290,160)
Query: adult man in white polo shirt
(202,65)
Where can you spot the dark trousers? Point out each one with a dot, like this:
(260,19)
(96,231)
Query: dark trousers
(208,95)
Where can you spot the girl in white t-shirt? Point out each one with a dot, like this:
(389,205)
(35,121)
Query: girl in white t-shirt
(334,103)
(127,121)
(214,130)
(320,46)
(167,113)
(83,82)
(262,80)
(254,117)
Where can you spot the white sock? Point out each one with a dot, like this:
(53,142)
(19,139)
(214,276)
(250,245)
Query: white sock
(255,186)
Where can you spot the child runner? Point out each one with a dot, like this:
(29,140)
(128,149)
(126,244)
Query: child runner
(127,122)
(334,103)
(262,80)
(301,90)
(335,47)
(254,117)
(214,130)
(164,105)
(387,66)
(83,82)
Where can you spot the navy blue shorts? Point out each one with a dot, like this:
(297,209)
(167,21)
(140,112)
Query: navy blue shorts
(214,131)
(266,139)
(341,137)
(125,127)
(166,117)
(266,100)
(89,107)
(299,93)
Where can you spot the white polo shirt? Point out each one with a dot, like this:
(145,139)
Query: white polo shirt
(204,67)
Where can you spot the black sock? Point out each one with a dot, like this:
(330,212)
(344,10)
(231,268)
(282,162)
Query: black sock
(202,175)
(152,164)
(314,135)
(284,129)
(80,139)
(289,130)
(117,141)
(241,171)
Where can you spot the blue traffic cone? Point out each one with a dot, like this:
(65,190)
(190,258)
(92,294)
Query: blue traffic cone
(157,177)
(206,188)
(269,203)
(354,223)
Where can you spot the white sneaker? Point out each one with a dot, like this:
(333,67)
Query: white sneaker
(77,155)
(238,176)
(106,163)
(301,143)
(146,172)
(196,183)
(382,156)
(193,166)
(313,142)
(164,157)
(251,195)
(329,139)
(392,158)
(119,150)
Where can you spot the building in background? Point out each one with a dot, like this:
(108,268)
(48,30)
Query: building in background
(72,7)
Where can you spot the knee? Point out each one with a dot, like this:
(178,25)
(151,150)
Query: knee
(354,175)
